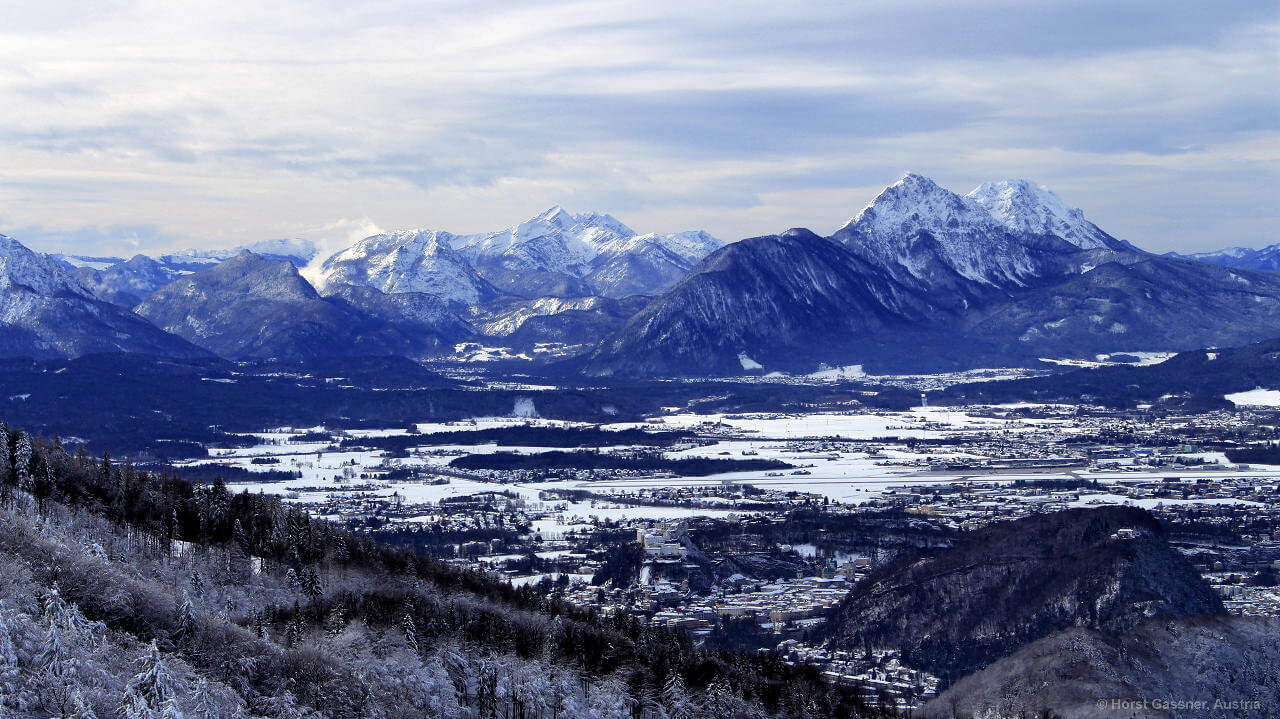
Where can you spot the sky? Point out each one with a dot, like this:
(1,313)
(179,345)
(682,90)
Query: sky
(150,126)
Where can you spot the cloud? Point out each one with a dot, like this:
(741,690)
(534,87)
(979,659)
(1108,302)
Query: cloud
(220,125)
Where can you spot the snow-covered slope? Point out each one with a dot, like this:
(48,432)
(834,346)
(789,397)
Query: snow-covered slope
(933,239)
(644,264)
(22,268)
(1025,208)
(553,241)
(408,261)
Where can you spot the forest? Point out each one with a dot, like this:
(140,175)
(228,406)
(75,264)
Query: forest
(129,593)
(683,466)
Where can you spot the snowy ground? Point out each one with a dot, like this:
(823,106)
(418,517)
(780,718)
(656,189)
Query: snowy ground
(1256,398)
(841,475)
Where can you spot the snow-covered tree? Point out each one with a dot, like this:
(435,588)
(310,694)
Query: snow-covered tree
(311,586)
(54,660)
(410,630)
(203,702)
(151,689)
(80,708)
(676,699)
(186,619)
(6,456)
(22,454)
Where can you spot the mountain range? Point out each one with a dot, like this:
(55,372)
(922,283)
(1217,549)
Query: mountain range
(921,279)
(45,311)
(1006,274)
(555,254)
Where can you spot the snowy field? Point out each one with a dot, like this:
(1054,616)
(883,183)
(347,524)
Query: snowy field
(1256,398)
(840,474)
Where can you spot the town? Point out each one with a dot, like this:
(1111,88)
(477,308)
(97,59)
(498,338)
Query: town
(757,559)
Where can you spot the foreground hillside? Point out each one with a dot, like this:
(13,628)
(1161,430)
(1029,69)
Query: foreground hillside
(1009,584)
(127,594)
(1188,667)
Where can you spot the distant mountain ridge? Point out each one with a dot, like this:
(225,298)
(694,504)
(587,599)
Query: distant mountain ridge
(555,253)
(922,279)
(253,307)
(1244,258)
(46,311)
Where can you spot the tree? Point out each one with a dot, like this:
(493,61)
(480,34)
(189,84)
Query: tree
(205,705)
(80,707)
(311,584)
(6,455)
(22,453)
(151,689)
(675,697)
(410,629)
(187,622)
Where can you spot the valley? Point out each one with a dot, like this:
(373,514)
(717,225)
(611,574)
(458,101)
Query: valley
(759,558)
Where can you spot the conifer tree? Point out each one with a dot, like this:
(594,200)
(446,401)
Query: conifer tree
(151,689)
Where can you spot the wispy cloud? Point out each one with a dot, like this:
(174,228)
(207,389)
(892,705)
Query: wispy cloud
(222,125)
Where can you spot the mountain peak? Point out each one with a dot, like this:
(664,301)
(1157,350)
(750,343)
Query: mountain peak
(1025,207)
(554,214)
(915,181)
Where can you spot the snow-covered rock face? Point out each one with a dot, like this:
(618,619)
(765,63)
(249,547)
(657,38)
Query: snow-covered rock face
(21,268)
(1026,208)
(553,241)
(917,226)
(408,261)
(555,253)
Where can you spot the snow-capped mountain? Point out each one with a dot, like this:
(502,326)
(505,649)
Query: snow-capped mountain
(1025,208)
(22,268)
(554,254)
(561,254)
(928,237)
(45,311)
(128,282)
(1245,258)
(925,279)
(408,261)
(553,241)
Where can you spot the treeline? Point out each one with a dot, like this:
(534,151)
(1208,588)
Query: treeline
(684,466)
(525,436)
(339,579)
(1257,454)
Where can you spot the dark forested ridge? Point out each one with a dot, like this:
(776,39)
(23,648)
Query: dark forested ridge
(684,466)
(1005,585)
(132,594)
(1205,374)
